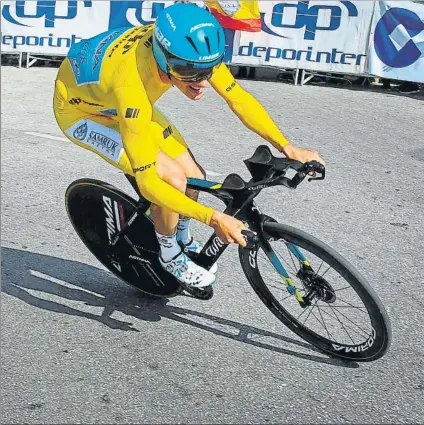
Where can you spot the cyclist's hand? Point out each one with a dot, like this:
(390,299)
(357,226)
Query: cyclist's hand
(228,228)
(302,154)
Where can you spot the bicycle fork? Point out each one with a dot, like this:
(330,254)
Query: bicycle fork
(275,261)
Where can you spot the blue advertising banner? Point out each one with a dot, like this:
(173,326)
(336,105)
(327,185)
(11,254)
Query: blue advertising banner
(396,48)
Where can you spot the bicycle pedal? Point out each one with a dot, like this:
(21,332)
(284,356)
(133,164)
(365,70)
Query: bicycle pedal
(204,294)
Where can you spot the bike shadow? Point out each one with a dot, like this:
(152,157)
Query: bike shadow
(25,275)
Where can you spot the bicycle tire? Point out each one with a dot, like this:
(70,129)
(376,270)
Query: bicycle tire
(375,346)
(88,212)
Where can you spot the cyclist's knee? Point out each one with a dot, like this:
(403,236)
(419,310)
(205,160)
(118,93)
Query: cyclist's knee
(179,181)
(197,173)
(190,166)
(171,172)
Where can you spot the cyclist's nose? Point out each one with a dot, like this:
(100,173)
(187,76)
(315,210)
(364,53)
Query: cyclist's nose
(200,84)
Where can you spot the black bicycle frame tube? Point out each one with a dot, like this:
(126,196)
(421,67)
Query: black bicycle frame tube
(239,204)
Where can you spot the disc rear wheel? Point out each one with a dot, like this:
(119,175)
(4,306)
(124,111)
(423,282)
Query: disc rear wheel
(97,211)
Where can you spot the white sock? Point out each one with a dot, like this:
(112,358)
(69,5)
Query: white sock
(169,247)
(183,230)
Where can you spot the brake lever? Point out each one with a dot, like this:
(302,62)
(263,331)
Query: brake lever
(316,167)
(251,239)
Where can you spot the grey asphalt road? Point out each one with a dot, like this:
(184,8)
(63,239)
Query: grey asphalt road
(80,346)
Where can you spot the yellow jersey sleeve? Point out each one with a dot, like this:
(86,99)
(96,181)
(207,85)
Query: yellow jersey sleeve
(134,114)
(246,107)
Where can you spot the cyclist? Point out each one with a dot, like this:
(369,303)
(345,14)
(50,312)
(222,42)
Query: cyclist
(104,99)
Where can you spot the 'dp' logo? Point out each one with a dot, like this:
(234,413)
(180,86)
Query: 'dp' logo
(308,17)
(399,38)
(23,13)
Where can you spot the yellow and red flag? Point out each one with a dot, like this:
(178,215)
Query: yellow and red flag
(241,15)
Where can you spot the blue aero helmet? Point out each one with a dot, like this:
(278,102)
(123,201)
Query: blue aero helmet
(188,42)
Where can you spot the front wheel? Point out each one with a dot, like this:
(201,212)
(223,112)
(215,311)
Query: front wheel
(317,294)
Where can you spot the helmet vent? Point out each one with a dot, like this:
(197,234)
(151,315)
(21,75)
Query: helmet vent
(219,38)
(208,44)
(189,39)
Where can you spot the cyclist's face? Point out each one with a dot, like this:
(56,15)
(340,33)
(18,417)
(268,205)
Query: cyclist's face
(193,90)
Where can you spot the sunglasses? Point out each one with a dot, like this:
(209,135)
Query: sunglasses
(186,71)
(187,74)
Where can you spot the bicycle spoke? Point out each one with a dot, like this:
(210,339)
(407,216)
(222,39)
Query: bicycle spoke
(329,267)
(322,324)
(280,288)
(323,321)
(295,273)
(283,260)
(288,296)
(269,261)
(301,314)
(329,321)
(284,287)
(351,305)
(319,268)
(291,256)
(342,289)
(364,334)
(343,326)
(348,318)
(310,312)
(344,306)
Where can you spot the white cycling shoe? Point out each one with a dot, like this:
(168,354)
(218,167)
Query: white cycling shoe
(197,247)
(188,272)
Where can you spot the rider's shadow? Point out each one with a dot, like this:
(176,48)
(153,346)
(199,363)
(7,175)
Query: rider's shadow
(34,277)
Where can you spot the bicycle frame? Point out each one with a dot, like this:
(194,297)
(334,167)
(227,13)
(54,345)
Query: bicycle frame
(239,200)
(214,247)
(239,204)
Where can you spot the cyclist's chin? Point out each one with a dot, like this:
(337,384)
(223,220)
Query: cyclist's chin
(194,91)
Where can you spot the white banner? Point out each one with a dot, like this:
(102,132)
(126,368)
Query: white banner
(50,27)
(329,36)
(397,41)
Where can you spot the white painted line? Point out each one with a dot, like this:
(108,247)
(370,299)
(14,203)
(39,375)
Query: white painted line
(60,282)
(213,174)
(46,136)
(63,139)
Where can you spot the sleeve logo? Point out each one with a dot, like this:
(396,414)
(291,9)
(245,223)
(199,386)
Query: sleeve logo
(143,167)
(229,88)
(132,113)
(167,132)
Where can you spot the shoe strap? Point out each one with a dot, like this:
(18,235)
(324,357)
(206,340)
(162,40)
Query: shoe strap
(172,259)
(191,241)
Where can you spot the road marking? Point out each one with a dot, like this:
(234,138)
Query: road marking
(63,139)
(60,282)
(46,136)
(212,173)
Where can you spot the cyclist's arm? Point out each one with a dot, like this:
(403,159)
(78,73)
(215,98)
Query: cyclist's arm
(247,108)
(135,113)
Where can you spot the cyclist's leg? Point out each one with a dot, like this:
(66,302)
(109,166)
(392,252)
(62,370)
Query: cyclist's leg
(173,144)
